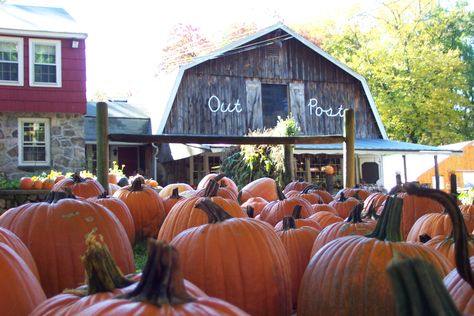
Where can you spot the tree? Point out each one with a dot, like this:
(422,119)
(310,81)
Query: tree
(418,81)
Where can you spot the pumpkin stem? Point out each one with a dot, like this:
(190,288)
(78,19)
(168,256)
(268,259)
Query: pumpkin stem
(102,273)
(219,177)
(137,185)
(104,195)
(297,212)
(250,211)
(459,227)
(342,197)
(175,194)
(77,178)
(388,226)
(56,196)
(355,215)
(211,189)
(308,189)
(418,288)
(162,280)
(371,213)
(281,195)
(239,197)
(215,213)
(289,223)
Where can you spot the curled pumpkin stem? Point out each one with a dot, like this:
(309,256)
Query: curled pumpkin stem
(162,281)
(214,212)
(356,214)
(459,227)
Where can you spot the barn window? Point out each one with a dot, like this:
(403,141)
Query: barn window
(11,61)
(33,141)
(45,63)
(274,103)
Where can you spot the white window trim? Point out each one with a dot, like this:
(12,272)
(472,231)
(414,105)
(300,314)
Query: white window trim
(57,44)
(19,44)
(47,136)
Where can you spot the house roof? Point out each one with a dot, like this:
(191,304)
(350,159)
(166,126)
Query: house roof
(40,21)
(458,146)
(375,145)
(123,118)
(163,115)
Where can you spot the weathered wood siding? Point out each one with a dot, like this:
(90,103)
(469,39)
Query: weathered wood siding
(235,79)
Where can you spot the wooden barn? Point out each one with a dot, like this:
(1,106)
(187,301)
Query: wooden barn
(247,85)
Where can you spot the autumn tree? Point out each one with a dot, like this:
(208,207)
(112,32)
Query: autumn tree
(419,82)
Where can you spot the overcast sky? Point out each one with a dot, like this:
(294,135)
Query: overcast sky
(125,37)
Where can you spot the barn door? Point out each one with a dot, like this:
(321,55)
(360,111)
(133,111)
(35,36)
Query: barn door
(297,106)
(254,103)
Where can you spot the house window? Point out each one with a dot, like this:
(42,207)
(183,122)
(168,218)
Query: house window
(11,61)
(45,63)
(33,141)
(274,103)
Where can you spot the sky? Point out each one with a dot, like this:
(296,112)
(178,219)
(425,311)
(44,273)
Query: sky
(126,37)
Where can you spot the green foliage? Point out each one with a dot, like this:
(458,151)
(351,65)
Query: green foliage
(140,252)
(411,54)
(6,183)
(257,161)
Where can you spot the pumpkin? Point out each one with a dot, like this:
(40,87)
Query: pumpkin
(146,207)
(461,291)
(243,255)
(353,225)
(274,211)
(54,233)
(358,193)
(161,291)
(262,187)
(347,275)
(171,200)
(257,203)
(47,184)
(299,221)
(168,189)
(328,169)
(324,195)
(307,193)
(184,214)
(323,207)
(20,291)
(224,182)
(297,242)
(119,209)
(222,190)
(11,240)
(26,183)
(325,218)
(298,185)
(344,205)
(79,186)
(374,203)
(445,246)
(151,182)
(436,224)
(418,289)
(112,178)
(38,184)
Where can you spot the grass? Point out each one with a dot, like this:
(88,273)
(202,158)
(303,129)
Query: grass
(140,254)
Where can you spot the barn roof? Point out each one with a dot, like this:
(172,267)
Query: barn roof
(162,114)
(40,21)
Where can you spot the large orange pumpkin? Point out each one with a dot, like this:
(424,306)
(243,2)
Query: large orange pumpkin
(344,205)
(171,200)
(146,207)
(224,182)
(54,233)
(184,213)
(263,187)
(299,221)
(274,211)
(119,209)
(218,256)
(307,193)
(461,291)
(347,276)
(11,240)
(257,203)
(297,243)
(79,186)
(20,291)
(161,291)
(325,218)
(298,185)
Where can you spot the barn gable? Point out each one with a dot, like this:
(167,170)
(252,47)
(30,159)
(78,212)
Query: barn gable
(233,90)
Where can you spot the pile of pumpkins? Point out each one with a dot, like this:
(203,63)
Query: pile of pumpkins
(218,250)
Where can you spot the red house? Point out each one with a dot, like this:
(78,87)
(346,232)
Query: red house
(42,90)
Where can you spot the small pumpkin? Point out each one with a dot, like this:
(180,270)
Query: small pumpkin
(79,186)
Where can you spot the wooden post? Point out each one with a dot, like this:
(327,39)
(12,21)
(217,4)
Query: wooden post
(349,149)
(405,167)
(436,172)
(205,162)
(307,168)
(102,132)
(288,156)
(191,170)
(453,181)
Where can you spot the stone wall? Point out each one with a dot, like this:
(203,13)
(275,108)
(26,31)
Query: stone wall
(67,144)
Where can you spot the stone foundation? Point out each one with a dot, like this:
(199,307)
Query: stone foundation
(67,144)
